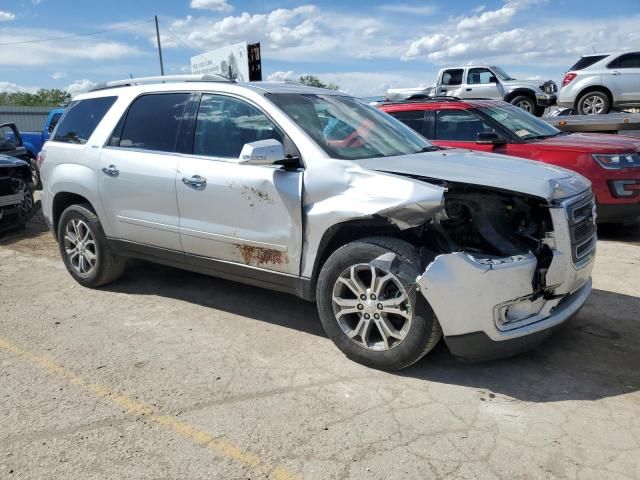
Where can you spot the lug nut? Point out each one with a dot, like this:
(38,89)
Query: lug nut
(363,297)
(360,306)
(366,316)
(373,297)
(376,316)
(380,307)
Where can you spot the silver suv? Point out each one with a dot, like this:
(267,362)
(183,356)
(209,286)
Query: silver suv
(599,82)
(315,193)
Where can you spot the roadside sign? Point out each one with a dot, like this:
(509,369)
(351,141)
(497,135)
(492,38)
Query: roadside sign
(240,62)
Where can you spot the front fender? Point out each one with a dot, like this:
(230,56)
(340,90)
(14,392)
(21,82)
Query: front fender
(356,193)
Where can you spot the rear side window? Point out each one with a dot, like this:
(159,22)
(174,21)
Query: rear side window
(414,119)
(629,60)
(459,125)
(585,62)
(81,118)
(452,77)
(152,122)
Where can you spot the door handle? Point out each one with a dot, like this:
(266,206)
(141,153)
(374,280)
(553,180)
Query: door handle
(196,181)
(469,89)
(111,170)
(615,72)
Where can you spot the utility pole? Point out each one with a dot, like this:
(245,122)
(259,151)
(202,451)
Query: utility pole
(159,46)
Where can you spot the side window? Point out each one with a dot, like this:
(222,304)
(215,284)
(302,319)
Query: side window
(629,60)
(81,118)
(152,122)
(480,76)
(224,124)
(54,121)
(413,119)
(452,77)
(459,125)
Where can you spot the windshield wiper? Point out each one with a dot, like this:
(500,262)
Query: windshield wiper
(431,148)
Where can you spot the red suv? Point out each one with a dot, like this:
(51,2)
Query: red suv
(611,162)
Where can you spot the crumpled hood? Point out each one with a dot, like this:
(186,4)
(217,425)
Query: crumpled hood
(11,162)
(485,169)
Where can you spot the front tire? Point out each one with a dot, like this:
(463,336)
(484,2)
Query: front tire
(374,313)
(594,103)
(526,103)
(85,250)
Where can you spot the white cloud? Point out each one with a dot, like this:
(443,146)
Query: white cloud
(58,75)
(403,8)
(215,5)
(307,33)
(80,86)
(6,16)
(59,52)
(14,88)
(280,76)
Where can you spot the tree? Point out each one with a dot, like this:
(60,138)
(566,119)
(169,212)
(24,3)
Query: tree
(42,98)
(312,81)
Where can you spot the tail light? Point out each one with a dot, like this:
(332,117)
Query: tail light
(40,158)
(568,78)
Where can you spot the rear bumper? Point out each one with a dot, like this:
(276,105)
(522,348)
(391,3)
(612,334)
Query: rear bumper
(620,213)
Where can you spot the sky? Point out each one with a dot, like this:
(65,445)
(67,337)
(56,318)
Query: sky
(363,46)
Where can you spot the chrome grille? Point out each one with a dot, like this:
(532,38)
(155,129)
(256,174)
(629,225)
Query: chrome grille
(582,229)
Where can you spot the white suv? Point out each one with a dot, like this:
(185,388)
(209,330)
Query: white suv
(315,193)
(599,82)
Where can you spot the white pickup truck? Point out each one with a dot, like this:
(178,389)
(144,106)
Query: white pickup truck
(485,81)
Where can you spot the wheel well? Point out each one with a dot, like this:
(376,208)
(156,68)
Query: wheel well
(594,88)
(521,91)
(339,235)
(61,202)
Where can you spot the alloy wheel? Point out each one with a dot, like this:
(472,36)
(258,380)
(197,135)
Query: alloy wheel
(593,105)
(372,307)
(525,105)
(20,186)
(80,246)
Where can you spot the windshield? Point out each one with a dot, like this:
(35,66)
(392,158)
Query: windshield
(502,74)
(347,128)
(523,124)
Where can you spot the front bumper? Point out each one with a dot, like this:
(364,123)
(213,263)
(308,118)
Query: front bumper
(487,307)
(546,99)
(625,213)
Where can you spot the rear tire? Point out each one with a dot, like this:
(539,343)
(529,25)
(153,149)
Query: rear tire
(394,335)
(85,250)
(594,103)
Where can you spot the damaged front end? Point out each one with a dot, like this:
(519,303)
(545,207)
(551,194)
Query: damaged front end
(501,266)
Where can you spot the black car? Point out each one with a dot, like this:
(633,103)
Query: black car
(16,194)
(11,145)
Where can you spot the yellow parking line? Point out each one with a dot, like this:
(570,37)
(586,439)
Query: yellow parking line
(135,407)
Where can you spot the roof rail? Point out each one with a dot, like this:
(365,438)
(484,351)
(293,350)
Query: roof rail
(127,82)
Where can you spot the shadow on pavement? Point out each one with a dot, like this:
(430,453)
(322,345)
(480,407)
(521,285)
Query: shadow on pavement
(620,233)
(596,355)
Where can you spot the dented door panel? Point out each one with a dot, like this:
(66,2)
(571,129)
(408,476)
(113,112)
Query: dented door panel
(244,214)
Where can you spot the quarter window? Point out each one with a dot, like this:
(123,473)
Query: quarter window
(224,124)
(452,77)
(81,118)
(459,125)
(152,122)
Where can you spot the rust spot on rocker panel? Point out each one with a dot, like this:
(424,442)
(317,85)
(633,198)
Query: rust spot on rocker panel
(261,256)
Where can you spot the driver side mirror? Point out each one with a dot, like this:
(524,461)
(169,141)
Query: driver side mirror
(493,79)
(262,152)
(489,138)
